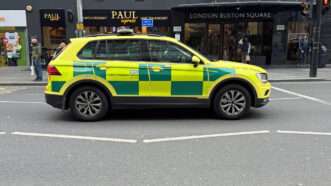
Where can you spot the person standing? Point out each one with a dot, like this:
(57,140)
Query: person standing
(246,47)
(36,58)
(303,48)
(58,50)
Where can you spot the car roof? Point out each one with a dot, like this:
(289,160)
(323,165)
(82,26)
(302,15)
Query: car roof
(133,36)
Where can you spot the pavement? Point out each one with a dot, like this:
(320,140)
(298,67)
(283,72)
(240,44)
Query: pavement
(285,143)
(22,76)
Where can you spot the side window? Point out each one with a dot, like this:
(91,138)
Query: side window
(162,51)
(101,50)
(126,50)
(88,51)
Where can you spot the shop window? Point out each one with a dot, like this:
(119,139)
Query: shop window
(53,29)
(93,30)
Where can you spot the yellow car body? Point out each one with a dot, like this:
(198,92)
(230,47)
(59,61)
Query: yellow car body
(121,80)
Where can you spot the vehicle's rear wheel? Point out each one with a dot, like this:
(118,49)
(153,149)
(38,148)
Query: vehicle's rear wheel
(89,104)
(232,102)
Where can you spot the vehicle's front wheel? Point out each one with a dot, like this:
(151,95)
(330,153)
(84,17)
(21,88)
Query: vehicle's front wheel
(88,104)
(232,102)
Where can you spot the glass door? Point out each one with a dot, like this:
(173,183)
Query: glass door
(214,41)
(196,36)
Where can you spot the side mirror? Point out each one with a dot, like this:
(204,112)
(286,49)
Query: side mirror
(196,61)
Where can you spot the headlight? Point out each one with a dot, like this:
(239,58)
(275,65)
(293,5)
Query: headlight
(263,77)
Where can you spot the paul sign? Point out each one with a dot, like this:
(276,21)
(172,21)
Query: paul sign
(125,16)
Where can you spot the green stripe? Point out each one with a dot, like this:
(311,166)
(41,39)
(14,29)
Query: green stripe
(126,87)
(143,72)
(57,85)
(90,68)
(186,88)
(216,73)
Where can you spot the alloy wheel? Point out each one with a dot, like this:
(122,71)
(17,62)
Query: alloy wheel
(88,103)
(233,102)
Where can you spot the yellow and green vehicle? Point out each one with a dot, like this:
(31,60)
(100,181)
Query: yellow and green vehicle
(95,74)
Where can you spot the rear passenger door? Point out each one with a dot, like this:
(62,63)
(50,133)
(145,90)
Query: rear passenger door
(172,72)
(120,62)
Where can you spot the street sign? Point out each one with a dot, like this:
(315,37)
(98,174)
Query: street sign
(147,22)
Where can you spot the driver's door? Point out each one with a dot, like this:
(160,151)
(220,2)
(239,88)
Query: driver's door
(172,72)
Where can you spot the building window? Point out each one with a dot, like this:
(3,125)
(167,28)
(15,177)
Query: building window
(296,30)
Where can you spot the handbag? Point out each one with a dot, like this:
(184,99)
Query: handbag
(32,71)
(248,58)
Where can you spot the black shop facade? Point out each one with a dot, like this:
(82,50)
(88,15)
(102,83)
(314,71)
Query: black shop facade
(273,29)
(109,21)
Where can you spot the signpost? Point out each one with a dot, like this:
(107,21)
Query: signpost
(316,38)
(80,19)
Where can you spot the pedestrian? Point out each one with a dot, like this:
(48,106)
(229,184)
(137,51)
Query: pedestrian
(36,58)
(246,47)
(303,48)
(58,50)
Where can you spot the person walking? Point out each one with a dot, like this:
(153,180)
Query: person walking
(36,58)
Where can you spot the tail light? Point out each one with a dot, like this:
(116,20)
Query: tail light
(53,71)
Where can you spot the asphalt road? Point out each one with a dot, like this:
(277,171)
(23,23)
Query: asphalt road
(288,143)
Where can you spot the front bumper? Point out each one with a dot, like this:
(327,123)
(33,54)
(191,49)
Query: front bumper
(55,101)
(261,102)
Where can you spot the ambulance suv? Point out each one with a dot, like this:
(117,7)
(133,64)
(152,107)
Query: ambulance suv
(95,74)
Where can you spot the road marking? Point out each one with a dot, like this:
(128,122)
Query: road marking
(2,133)
(304,132)
(204,136)
(23,102)
(302,95)
(119,140)
(303,82)
(285,99)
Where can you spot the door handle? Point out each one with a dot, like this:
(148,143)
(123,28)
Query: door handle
(103,67)
(155,68)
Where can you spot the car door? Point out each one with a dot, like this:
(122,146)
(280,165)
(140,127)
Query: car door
(126,69)
(172,73)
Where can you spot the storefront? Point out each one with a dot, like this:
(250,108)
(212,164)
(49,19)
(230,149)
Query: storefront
(108,21)
(13,35)
(217,30)
(53,30)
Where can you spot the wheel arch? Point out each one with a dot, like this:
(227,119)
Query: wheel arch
(81,83)
(237,81)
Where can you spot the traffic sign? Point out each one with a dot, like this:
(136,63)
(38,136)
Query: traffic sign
(147,22)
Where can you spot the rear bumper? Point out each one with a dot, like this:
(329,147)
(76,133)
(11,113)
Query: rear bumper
(55,101)
(261,102)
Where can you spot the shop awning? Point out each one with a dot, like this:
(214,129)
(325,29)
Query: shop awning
(263,3)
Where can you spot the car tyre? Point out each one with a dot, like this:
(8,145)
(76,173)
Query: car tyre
(89,104)
(232,102)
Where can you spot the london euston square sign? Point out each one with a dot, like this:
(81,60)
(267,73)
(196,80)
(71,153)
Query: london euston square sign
(230,15)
